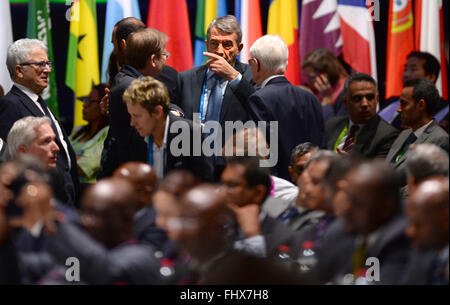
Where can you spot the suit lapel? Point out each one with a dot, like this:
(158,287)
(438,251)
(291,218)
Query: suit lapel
(229,93)
(367,134)
(197,87)
(27,102)
(336,132)
(426,133)
(397,146)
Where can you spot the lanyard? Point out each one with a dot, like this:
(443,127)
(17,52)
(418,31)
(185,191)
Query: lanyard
(202,99)
(342,135)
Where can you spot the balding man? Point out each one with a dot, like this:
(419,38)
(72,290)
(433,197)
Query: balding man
(372,226)
(428,214)
(108,253)
(143,178)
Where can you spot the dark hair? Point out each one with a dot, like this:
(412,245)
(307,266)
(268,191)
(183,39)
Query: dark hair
(302,149)
(426,90)
(112,68)
(141,45)
(323,60)
(431,64)
(254,174)
(126,26)
(358,77)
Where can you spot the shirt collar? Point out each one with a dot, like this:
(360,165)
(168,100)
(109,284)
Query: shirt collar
(350,124)
(264,83)
(166,132)
(421,130)
(33,96)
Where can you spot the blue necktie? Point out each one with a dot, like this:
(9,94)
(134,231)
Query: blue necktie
(214,101)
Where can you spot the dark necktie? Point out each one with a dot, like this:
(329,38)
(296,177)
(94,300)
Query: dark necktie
(350,141)
(214,101)
(47,113)
(411,139)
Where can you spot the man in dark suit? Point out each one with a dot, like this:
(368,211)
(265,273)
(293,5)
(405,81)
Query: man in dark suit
(418,102)
(144,180)
(169,139)
(247,186)
(428,228)
(217,90)
(297,111)
(371,227)
(145,56)
(30,78)
(363,131)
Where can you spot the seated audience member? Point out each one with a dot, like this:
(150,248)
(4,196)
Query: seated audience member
(297,111)
(428,229)
(371,226)
(425,160)
(201,215)
(418,65)
(4,153)
(300,154)
(35,136)
(326,77)
(147,102)
(363,131)
(418,103)
(246,186)
(105,244)
(87,140)
(144,180)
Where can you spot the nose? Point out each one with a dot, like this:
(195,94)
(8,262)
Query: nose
(55,147)
(410,231)
(132,123)
(399,109)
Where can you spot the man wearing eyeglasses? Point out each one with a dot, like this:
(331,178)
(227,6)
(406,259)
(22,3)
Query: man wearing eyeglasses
(29,69)
(363,131)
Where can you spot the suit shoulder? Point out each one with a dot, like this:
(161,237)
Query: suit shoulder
(332,122)
(387,128)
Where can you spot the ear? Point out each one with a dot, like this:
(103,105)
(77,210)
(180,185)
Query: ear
(291,172)
(123,44)
(260,192)
(23,149)
(240,47)
(158,111)
(152,60)
(19,73)
(422,104)
(431,77)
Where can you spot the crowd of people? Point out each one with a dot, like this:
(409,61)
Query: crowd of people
(225,173)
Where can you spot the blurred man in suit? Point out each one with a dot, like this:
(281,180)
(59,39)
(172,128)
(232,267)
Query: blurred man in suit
(418,102)
(297,111)
(428,214)
(363,131)
(144,180)
(371,226)
(29,68)
(4,153)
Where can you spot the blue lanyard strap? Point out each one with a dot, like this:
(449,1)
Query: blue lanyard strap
(202,99)
(150,154)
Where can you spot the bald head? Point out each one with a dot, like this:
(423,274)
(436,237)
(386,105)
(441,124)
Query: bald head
(203,201)
(428,213)
(177,182)
(107,211)
(143,178)
(373,193)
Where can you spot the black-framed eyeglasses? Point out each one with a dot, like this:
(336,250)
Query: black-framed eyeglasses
(40,64)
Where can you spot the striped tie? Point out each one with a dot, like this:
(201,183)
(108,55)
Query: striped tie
(348,145)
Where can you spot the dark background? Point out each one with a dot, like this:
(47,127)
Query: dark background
(60,34)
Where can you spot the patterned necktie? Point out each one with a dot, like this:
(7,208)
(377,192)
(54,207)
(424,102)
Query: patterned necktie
(350,141)
(214,101)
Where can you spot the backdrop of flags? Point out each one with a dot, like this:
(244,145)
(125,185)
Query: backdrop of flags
(6,38)
(283,20)
(82,71)
(172,18)
(115,11)
(358,36)
(248,12)
(429,36)
(400,42)
(39,26)
(207,11)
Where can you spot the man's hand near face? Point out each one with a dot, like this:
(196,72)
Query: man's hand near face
(247,217)
(220,66)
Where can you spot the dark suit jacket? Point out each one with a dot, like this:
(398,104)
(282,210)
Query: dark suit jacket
(391,247)
(16,105)
(146,230)
(297,112)
(432,134)
(419,269)
(190,83)
(131,263)
(374,140)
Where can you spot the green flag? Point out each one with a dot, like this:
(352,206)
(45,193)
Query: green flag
(40,27)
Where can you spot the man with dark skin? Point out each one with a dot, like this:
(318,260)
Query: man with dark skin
(371,226)
(143,178)
(428,214)
(109,249)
